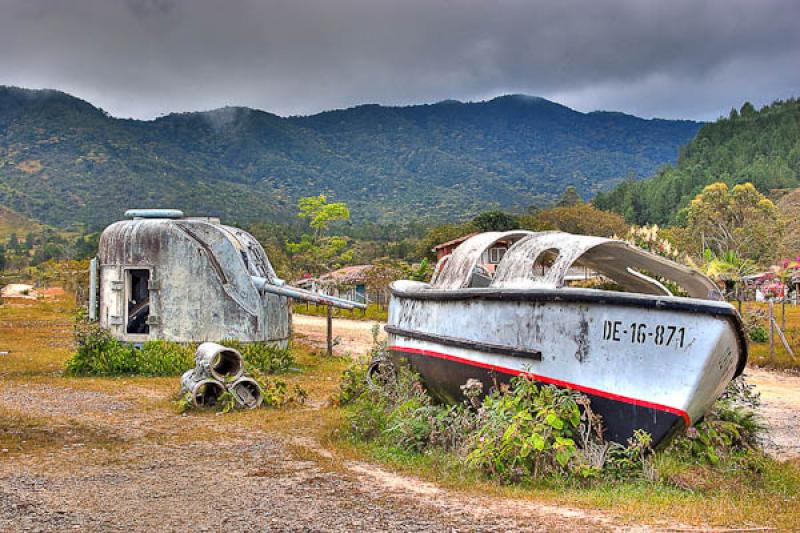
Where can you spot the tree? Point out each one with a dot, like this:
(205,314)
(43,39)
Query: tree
(383,272)
(740,220)
(756,146)
(442,233)
(421,273)
(495,221)
(582,219)
(569,197)
(13,242)
(317,252)
(321,214)
(729,269)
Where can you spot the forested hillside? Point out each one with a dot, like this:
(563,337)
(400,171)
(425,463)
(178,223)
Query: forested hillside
(65,162)
(757,146)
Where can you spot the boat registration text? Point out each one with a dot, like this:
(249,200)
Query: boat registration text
(640,333)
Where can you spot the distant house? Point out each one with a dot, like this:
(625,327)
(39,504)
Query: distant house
(492,257)
(489,259)
(349,283)
(767,286)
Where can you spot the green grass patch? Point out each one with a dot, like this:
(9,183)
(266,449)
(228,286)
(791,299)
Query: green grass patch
(755,318)
(372,312)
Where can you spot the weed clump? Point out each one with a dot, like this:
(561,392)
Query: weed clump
(525,431)
(98,353)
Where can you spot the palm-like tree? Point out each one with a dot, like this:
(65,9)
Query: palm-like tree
(729,268)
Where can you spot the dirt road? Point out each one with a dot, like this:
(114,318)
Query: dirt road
(350,336)
(780,392)
(780,409)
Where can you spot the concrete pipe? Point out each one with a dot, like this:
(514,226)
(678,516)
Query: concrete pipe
(247,392)
(218,362)
(204,392)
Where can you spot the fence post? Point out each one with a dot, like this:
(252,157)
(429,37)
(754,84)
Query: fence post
(330,330)
(771,331)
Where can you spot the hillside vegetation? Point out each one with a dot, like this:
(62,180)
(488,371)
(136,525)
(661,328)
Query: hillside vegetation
(13,222)
(65,162)
(761,147)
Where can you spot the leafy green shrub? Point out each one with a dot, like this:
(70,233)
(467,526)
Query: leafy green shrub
(262,356)
(527,430)
(162,358)
(732,428)
(758,333)
(353,382)
(517,432)
(755,324)
(631,461)
(99,354)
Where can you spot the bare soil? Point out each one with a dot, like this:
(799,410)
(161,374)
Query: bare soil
(352,337)
(780,409)
(115,466)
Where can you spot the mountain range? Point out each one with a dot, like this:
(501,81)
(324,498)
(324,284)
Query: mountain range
(67,163)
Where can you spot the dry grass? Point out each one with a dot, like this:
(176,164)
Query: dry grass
(759,352)
(38,337)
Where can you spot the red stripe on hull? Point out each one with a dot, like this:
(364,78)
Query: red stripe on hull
(545,379)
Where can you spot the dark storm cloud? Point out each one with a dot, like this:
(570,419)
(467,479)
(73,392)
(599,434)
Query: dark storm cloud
(146,57)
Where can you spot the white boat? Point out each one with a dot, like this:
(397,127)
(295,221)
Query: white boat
(645,358)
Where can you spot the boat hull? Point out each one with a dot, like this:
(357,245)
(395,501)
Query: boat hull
(649,363)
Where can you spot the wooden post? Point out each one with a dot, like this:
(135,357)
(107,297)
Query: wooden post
(330,331)
(771,331)
(782,337)
(783,309)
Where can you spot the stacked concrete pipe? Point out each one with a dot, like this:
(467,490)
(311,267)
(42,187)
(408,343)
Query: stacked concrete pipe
(217,369)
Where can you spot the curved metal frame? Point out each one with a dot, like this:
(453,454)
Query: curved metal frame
(616,259)
(457,271)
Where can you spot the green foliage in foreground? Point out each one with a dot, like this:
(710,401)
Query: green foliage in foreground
(99,354)
(530,432)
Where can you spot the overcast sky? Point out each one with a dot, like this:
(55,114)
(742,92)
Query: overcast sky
(143,58)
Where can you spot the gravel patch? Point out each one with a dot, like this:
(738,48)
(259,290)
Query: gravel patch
(50,400)
(238,486)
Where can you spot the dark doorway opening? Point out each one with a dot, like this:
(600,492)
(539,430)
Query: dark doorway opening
(138,301)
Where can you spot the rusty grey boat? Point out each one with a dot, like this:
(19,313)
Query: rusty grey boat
(646,359)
